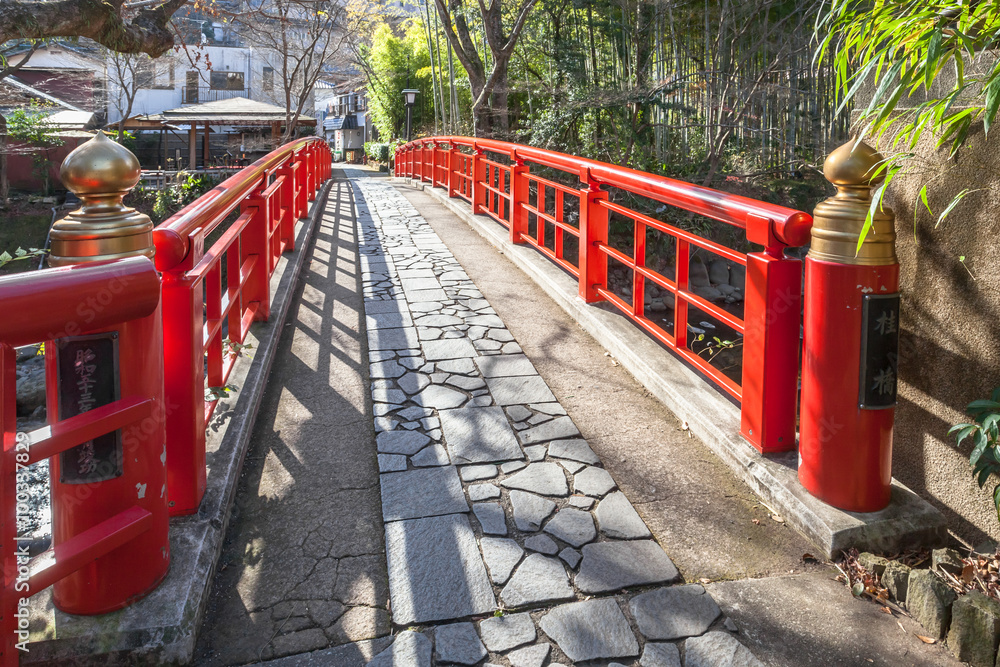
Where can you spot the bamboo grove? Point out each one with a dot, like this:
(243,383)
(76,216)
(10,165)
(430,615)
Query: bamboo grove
(706,90)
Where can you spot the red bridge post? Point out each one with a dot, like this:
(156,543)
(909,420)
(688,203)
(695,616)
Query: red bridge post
(593,231)
(849,358)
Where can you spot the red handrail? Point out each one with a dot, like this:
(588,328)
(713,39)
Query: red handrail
(212,295)
(769,328)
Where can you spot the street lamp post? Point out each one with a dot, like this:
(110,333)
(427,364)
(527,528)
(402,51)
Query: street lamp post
(409,97)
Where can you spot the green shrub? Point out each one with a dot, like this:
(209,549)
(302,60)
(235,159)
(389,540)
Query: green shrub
(378,152)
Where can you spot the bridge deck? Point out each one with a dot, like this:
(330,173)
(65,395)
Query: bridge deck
(440,440)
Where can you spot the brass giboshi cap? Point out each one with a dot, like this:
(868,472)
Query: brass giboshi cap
(838,221)
(100,172)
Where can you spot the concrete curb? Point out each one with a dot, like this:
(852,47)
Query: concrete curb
(908,521)
(162,628)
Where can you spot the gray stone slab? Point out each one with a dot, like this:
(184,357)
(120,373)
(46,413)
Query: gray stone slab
(611,566)
(409,649)
(554,409)
(519,390)
(460,366)
(675,612)
(507,365)
(571,557)
(502,633)
(476,435)
(415,273)
(517,413)
(411,383)
(529,656)
(561,427)
(392,339)
(537,580)
(581,502)
(512,466)
(718,649)
(388,320)
(573,526)
(473,473)
(491,518)
(479,492)
(438,321)
(435,570)
(543,544)
(417,296)
(439,398)
(466,383)
(391,462)
(418,284)
(449,348)
(401,442)
(596,482)
(536,453)
(384,391)
(458,644)
(572,467)
(617,518)
(655,654)
(435,455)
(386,369)
(590,630)
(547,479)
(575,450)
(501,555)
(422,493)
(530,511)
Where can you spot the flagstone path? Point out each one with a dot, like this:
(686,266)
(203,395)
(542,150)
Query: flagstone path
(506,540)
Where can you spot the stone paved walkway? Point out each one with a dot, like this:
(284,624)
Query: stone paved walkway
(506,540)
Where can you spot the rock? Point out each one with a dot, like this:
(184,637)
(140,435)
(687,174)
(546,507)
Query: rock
(575,450)
(872,563)
(517,413)
(674,613)
(502,633)
(435,455)
(529,656)
(473,473)
(479,435)
(31,386)
(594,482)
(411,383)
(391,462)
(507,365)
(519,389)
(512,466)
(573,526)
(656,305)
(401,442)
(975,629)
(537,580)
(660,655)
(708,293)
(947,560)
(929,600)
(718,273)
(617,518)
(479,492)
(410,649)
(530,510)
(547,479)
(612,566)
(698,273)
(536,453)
(894,579)
(590,630)
(570,556)
(543,544)
(491,518)
(501,555)
(738,277)
(458,644)
(561,427)
(718,649)
(439,398)
(581,502)
(420,493)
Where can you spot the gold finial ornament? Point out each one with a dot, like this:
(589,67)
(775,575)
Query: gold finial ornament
(100,172)
(838,221)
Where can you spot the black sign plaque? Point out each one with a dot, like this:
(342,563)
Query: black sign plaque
(879,351)
(88,378)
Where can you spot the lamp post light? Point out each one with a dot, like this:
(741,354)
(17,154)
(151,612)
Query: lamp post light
(409,97)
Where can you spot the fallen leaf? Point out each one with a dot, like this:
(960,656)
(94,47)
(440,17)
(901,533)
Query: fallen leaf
(778,518)
(968,572)
(809,558)
(705,580)
(756,522)
(886,610)
(926,640)
(901,627)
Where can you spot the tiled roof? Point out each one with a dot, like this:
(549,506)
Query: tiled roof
(235,111)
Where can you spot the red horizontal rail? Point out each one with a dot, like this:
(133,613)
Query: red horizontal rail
(66,301)
(68,433)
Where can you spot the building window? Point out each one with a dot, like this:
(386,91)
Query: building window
(154,74)
(226,80)
(268,79)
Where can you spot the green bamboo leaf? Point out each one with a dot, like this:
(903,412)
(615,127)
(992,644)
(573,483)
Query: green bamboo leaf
(992,103)
(948,209)
(933,55)
(923,198)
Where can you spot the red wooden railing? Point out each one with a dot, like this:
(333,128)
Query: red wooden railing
(519,200)
(206,318)
(37,306)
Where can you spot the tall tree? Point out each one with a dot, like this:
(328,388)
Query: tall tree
(489,91)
